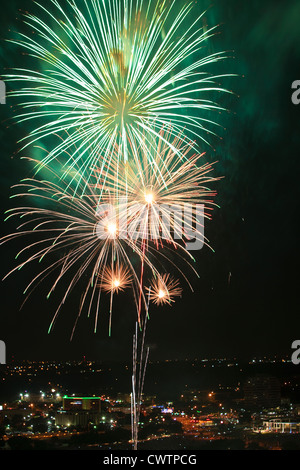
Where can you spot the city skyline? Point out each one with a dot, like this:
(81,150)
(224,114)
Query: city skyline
(225,404)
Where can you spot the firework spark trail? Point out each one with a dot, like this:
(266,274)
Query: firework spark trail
(113,73)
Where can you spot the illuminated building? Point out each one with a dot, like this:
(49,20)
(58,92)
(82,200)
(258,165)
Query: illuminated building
(79,411)
(77,418)
(282,426)
(81,403)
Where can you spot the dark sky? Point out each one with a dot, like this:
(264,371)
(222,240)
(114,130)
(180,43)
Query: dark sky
(246,301)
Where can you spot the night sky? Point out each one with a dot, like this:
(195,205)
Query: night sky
(246,302)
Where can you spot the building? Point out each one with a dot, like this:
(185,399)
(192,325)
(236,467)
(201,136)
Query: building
(79,411)
(282,426)
(81,403)
(262,392)
(77,418)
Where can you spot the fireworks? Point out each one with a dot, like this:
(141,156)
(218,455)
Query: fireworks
(120,95)
(66,233)
(164,289)
(115,280)
(89,238)
(97,235)
(165,198)
(121,98)
(111,75)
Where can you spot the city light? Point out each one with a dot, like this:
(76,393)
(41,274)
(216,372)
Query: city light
(198,414)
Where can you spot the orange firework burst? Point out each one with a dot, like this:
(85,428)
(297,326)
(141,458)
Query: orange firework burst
(115,279)
(164,289)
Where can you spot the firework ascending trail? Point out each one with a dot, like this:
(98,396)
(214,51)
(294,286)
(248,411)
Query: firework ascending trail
(138,377)
(112,73)
(162,291)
